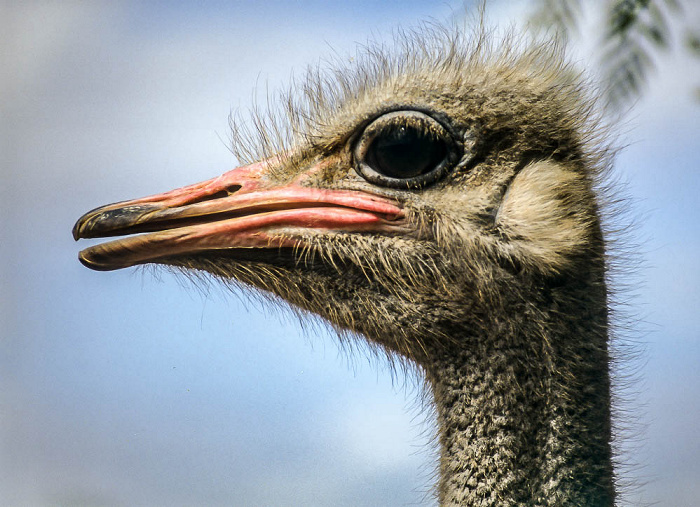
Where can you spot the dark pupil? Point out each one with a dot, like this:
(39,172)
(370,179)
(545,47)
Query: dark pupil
(406,152)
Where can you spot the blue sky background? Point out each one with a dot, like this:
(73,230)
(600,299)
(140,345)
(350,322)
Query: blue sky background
(135,388)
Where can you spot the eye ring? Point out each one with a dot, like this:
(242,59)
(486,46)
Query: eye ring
(405,149)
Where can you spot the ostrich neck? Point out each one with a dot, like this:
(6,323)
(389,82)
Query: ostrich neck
(523,412)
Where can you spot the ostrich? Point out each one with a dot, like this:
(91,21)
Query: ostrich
(438,201)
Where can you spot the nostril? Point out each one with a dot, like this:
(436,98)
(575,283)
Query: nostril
(218,195)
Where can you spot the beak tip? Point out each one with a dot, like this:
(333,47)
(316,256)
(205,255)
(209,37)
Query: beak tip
(92,258)
(76,231)
(85,260)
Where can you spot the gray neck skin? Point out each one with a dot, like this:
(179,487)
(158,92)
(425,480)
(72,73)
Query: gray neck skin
(524,408)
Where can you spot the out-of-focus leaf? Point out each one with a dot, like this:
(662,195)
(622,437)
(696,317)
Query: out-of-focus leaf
(562,16)
(634,27)
(692,42)
(657,28)
(623,14)
(654,35)
(635,30)
(626,67)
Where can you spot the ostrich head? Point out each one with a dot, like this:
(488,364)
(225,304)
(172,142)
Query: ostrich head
(439,202)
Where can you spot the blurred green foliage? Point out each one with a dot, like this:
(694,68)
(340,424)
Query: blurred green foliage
(636,32)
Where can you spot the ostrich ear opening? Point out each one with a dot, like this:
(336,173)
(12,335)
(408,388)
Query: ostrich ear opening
(543,216)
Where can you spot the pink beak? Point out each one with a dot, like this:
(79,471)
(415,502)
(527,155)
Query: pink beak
(239,209)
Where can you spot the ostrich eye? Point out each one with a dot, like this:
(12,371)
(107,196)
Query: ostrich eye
(406,152)
(404,149)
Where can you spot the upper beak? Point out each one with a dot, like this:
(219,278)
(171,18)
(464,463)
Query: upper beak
(239,209)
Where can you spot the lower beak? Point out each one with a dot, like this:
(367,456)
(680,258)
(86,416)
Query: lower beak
(239,209)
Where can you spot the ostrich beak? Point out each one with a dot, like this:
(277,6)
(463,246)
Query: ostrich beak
(239,209)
